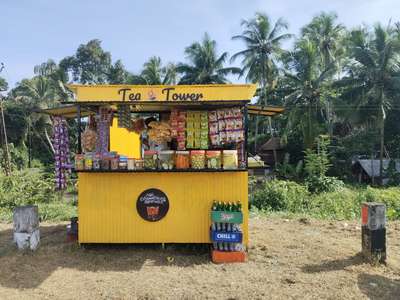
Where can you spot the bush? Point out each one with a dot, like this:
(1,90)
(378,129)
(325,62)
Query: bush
(25,187)
(323,184)
(281,195)
(341,204)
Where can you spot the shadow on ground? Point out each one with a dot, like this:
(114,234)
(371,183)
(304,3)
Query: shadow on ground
(22,270)
(335,265)
(377,287)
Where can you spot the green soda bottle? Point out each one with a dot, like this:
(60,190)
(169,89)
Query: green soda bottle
(214,206)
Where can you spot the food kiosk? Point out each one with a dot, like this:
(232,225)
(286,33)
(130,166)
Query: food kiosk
(154,160)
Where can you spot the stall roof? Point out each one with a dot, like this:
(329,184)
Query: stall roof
(265,110)
(68,111)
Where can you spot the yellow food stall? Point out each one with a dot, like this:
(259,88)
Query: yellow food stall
(131,193)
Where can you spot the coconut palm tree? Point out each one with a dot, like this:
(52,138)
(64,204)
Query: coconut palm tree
(263,42)
(39,92)
(305,86)
(205,65)
(155,73)
(328,35)
(373,75)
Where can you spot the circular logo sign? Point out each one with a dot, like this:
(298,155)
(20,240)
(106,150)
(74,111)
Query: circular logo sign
(152,205)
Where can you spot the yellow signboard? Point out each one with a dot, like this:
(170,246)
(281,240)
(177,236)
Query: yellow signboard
(170,93)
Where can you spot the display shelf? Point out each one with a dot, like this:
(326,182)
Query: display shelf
(161,171)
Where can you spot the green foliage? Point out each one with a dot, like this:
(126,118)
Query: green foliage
(289,171)
(205,65)
(90,64)
(57,211)
(344,204)
(317,165)
(321,184)
(317,162)
(281,195)
(3,84)
(25,187)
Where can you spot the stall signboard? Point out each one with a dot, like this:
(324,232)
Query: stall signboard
(152,205)
(163,93)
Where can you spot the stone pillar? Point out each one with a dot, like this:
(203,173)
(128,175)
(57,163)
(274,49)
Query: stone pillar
(26,227)
(373,231)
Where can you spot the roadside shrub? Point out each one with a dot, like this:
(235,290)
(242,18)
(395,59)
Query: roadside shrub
(29,186)
(323,184)
(340,205)
(281,195)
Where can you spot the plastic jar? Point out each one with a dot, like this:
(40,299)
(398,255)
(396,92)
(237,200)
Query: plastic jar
(166,159)
(182,160)
(230,159)
(114,165)
(139,164)
(213,158)
(197,159)
(96,162)
(105,162)
(88,161)
(131,164)
(123,163)
(150,159)
(79,162)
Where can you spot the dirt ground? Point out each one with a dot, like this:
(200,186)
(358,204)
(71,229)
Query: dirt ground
(288,259)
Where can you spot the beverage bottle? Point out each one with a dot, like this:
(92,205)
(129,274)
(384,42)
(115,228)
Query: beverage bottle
(235,206)
(220,206)
(214,206)
(239,206)
(225,246)
(220,247)
(213,226)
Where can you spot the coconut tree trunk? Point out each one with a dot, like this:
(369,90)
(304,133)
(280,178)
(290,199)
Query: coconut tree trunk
(49,140)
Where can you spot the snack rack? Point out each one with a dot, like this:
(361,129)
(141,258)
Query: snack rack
(113,205)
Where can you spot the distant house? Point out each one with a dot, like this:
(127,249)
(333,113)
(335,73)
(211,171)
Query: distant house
(366,169)
(272,150)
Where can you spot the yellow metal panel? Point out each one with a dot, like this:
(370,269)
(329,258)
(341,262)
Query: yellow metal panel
(107,206)
(176,93)
(123,141)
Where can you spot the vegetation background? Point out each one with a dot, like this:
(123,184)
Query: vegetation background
(340,87)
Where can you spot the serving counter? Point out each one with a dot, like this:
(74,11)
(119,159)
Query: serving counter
(108,211)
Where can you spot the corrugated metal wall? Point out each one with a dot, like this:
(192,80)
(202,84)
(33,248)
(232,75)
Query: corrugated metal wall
(107,206)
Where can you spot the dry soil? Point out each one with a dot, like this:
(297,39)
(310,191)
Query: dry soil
(287,259)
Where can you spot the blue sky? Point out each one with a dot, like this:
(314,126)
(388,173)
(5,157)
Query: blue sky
(33,31)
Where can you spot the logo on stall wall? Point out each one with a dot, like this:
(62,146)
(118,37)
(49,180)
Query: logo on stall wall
(152,205)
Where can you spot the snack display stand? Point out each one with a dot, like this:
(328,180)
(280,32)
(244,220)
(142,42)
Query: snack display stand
(168,201)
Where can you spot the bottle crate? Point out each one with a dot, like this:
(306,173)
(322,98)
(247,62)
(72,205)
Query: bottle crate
(227,257)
